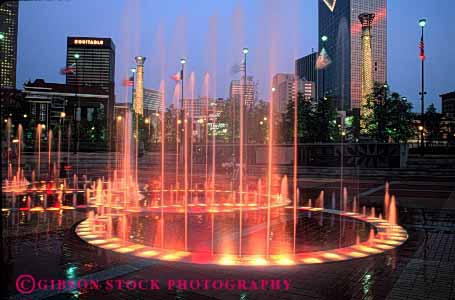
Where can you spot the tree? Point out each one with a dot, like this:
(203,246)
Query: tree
(230,117)
(325,128)
(391,117)
(314,121)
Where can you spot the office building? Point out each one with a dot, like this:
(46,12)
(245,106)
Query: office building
(91,62)
(286,88)
(152,101)
(339,21)
(448,104)
(80,104)
(248,94)
(9,11)
(283,91)
(307,89)
(203,106)
(305,69)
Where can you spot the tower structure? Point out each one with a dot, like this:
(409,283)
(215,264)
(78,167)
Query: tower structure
(366,19)
(138,104)
(339,22)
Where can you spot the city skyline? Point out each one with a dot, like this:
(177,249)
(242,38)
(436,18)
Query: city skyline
(403,73)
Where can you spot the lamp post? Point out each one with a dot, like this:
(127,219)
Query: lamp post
(422,24)
(133,71)
(244,139)
(324,39)
(78,111)
(182,108)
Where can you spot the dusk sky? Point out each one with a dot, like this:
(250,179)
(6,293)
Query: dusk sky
(211,35)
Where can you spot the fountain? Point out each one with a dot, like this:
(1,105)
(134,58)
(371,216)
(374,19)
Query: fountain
(212,218)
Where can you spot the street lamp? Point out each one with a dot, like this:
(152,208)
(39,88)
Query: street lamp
(324,40)
(76,56)
(2,36)
(62,114)
(422,24)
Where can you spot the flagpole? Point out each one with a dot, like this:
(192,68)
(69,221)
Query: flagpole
(422,24)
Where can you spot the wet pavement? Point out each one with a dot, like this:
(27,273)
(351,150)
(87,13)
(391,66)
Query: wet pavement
(46,247)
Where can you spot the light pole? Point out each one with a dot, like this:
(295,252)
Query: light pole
(182,108)
(133,71)
(78,114)
(422,24)
(324,39)
(244,139)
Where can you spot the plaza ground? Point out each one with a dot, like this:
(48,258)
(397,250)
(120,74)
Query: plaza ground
(422,268)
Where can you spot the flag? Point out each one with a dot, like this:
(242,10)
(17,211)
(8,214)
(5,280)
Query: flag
(323,60)
(235,69)
(422,49)
(177,76)
(68,70)
(129,81)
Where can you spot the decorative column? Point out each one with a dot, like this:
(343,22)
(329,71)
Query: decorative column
(367,66)
(138,103)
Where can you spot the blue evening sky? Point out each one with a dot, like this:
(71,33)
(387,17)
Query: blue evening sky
(211,34)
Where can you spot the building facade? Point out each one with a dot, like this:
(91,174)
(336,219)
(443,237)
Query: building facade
(9,11)
(249,93)
(305,69)
(203,107)
(91,62)
(308,89)
(286,88)
(339,21)
(448,104)
(152,101)
(47,102)
(283,91)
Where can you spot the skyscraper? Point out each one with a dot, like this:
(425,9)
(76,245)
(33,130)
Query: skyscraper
(152,101)
(250,91)
(284,91)
(9,11)
(92,61)
(339,21)
(305,67)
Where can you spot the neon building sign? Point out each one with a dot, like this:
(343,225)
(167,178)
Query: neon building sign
(88,42)
(330,4)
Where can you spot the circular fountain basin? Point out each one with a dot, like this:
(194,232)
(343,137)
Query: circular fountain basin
(322,235)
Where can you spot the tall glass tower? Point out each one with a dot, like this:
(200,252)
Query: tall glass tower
(339,21)
(8,43)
